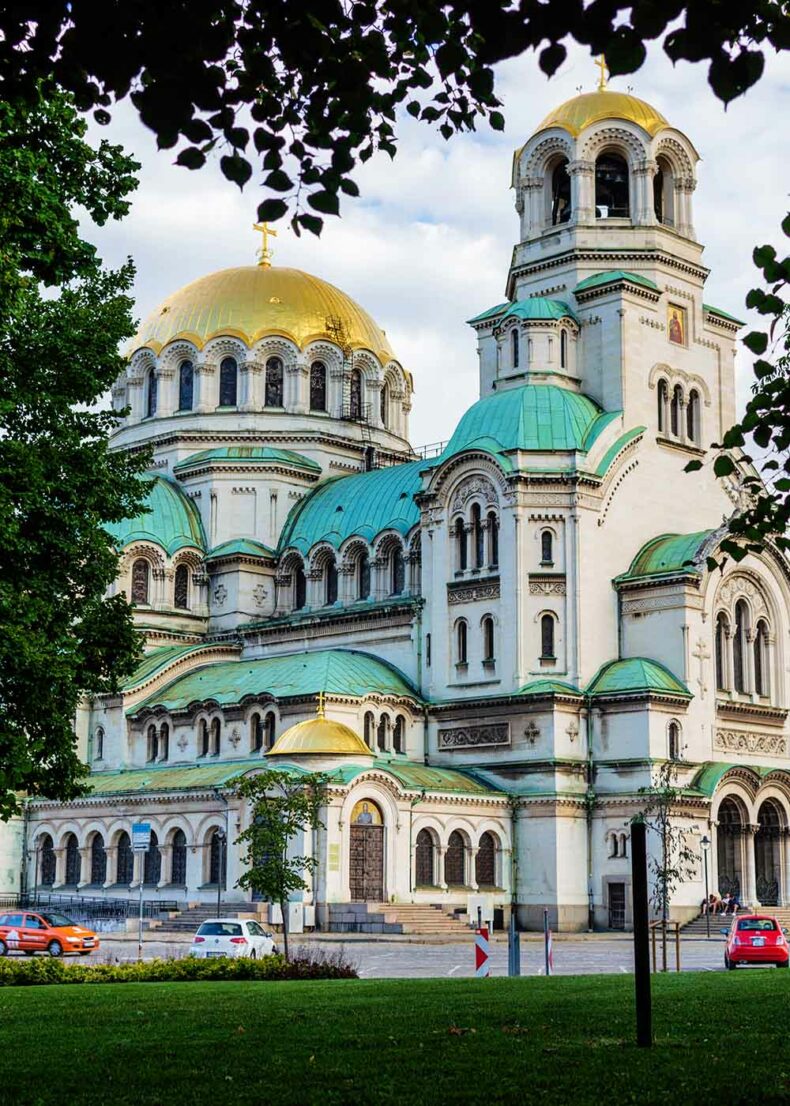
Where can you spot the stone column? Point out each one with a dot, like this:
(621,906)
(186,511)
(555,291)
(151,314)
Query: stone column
(373,399)
(784,867)
(642,206)
(471,878)
(534,213)
(85,866)
(346,579)
(749,868)
(60,867)
(136,391)
(204,380)
(582,174)
(684,187)
(315,583)
(166,869)
(138,870)
(111,874)
(748,661)
(194,878)
(251,375)
(441,851)
(165,404)
(297,386)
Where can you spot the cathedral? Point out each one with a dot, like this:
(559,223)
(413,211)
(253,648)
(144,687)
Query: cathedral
(489,647)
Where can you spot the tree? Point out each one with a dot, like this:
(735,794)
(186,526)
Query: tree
(283,808)
(673,862)
(312,89)
(60,637)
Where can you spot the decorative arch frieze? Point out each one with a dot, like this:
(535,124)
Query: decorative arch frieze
(676,153)
(674,376)
(217,348)
(477,488)
(535,161)
(620,138)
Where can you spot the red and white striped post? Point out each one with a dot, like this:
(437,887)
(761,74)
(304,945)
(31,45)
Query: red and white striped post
(482,953)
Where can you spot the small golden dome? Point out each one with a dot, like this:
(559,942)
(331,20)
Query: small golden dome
(319,737)
(255,300)
(591,107)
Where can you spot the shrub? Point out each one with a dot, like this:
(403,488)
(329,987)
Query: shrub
(31,973)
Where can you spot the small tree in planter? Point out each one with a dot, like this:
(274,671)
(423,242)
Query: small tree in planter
(283,806)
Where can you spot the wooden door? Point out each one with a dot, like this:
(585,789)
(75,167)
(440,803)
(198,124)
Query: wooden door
(367,863)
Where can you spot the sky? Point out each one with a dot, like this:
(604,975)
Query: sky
(428,244)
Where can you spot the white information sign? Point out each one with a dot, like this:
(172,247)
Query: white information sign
(141,836)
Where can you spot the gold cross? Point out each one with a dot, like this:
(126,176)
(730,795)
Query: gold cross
(601,63)
(265,254)
(320,711)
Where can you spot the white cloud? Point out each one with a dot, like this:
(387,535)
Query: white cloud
(429,242)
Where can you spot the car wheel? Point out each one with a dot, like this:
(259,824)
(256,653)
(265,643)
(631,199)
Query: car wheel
(85,952)
(3,948)
(783,963)
(55,948)
(731,965)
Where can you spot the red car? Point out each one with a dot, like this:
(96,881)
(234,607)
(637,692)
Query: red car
(755,939)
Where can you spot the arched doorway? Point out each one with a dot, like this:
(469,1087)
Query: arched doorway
(729,835)
(455,860)
(424,859)
(47,873)
(767,853)
(152,865)
(98,861)
(178,866)
(125,862)
(366,863)
(73,864)
(485,861)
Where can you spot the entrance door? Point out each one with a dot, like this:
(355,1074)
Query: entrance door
(616,906)
(366,863)
(767,843)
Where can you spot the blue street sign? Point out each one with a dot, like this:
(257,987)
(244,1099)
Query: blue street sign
(141,836)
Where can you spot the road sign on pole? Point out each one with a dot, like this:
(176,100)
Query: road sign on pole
(141,836)
(482,953)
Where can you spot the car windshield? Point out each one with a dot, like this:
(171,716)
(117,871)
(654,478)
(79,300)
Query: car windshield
(757,925)
(56,920)
(219,929)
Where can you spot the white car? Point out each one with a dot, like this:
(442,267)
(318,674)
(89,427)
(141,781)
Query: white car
(232,937)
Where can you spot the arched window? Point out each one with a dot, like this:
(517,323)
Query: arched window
(256,733)
(611,187)
(72,860)
(48,864)
(761,659)
(370,725)
(385,405)
(181,588)
(300,587)
(493,539)
(186,386)
(664,193)
(424,859)
(397,571)
(547,548)
(152,744)
(455,860)
(218,859)
(269,728)
(674,741)
(692,417)
(722,627)
(485,861)
(164,742)
(98,861)
(674,411)
(152,865)
(98,744)
(623,844)
(363,575)
(460,545)
(614,845)
(563,348)
(560,194)
(330,582)
(488,639)
(140,581)
(381,735)
(214,737)
(663,402)
(204,741)
(514,347)
(399,735)
(318,386)
(228,382)
(273,393)
(178,864)
(739,647)
(547,638)
(150,394)
(125,865)
(355,395)
(461,633)
(478,536)
(427,650)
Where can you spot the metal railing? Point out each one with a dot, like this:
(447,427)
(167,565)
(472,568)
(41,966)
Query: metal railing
(89,908)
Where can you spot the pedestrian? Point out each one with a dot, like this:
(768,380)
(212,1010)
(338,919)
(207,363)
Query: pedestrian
(726,902)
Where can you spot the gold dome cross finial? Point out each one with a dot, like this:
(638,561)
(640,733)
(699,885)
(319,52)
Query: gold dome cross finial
(600,61)
(265,254)
(321,708)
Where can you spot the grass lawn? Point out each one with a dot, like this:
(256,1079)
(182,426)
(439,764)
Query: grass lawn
(720,1038)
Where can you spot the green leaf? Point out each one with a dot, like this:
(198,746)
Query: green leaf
(349,187)
(497,120)
(271,210)
(191,158)
(551,58)
(311,223)
(693,466)
(723,465)
(278,181)
(756,341)
(326,202)
(236,168)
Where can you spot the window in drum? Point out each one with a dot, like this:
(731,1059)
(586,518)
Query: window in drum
(355,394)
(363,575)
(693,417)
(203,743)
(383,731)
(273,393)
(151,387)
(397,571)
(611,187)
(385,404)
(181,588)
(493,539)
(98,744)
(398,735)
(663,404)
(563,349)
(164,742)
(152,744)
(514,347)
(721,655)
(330,583)
(228,382)
(256,733)
(369,727)
(300,588)
(318,386)
(560,194)
(186,386)
(140,581)
(215,737)
(675,411)
(269,728)
(674,741)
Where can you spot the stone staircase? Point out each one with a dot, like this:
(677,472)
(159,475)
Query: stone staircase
(423,919)
(697,928)
(187,921)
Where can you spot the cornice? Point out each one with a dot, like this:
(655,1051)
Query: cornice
(654,256)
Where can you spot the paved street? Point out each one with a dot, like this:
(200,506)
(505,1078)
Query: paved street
(583,955)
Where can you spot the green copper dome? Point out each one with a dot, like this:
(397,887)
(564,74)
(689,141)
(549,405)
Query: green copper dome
(636,675)
(536,308)
(171,521)
(667,555)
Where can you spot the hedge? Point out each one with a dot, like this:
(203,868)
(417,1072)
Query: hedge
(31,973)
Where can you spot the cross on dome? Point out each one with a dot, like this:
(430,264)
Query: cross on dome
(600,61)
(265,254)
(321,707)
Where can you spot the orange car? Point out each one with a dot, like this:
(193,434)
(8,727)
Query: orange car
(47,931)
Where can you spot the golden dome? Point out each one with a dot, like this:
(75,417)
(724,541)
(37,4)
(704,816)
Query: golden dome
(255,300)
(319,737)
(576,114)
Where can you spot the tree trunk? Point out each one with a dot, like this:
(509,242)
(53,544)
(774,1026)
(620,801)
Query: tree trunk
(284,912)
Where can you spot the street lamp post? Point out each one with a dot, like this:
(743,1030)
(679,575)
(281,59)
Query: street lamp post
(705,845)
(221,844)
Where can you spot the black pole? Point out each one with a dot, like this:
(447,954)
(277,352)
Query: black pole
(644,1012)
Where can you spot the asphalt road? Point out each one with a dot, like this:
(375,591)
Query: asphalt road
(588,955)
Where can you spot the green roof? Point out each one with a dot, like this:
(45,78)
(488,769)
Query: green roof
(668,554)
(534,417)
(334,671)
(244,547)
(710,310)
(364,504)
(171,521)
(537,307)
(709,776)
(158,659)
(415,776)
(636,674)
(549,687)
(249,455)
(490,313)
(603,465)
(614,276)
